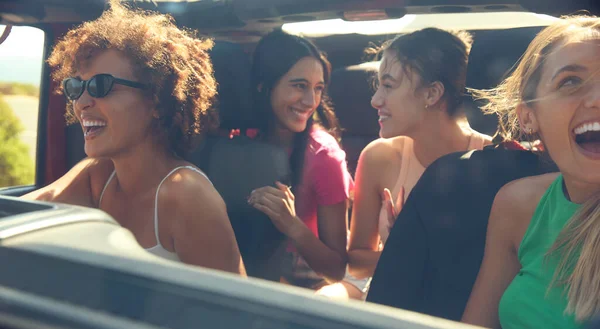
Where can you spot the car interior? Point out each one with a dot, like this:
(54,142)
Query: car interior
(63,262)
(111,274)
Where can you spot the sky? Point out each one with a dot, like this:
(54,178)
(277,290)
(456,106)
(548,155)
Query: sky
(21,55)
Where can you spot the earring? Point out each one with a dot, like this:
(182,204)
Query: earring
(529,130)
(426,106)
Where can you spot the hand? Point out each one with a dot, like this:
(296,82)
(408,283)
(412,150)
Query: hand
(278,204)
(393,208)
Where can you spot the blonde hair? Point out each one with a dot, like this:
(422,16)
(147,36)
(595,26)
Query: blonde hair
(580,275)
(522,83)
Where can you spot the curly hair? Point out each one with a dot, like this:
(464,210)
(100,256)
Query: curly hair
(173,61)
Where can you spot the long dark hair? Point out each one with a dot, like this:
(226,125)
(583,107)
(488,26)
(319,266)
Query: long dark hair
(274,56)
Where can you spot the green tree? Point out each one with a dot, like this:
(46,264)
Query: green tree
(15,88)
(16,166)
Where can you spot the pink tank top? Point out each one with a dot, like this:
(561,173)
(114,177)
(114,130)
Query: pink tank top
(410,172)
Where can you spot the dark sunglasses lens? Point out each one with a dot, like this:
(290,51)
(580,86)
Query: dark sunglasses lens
(100,85)
(73,88)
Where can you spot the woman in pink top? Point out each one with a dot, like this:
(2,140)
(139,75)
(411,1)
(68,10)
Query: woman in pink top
(290,76)
(420,83)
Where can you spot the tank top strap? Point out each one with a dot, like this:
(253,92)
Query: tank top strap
(476,141)
(156,197)
(105,186)
(407,158)
(406,163)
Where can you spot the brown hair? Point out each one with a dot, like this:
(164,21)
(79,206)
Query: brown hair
(579,241)
(173,61)
(436,55)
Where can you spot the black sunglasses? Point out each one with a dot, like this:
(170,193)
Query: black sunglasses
(97,86)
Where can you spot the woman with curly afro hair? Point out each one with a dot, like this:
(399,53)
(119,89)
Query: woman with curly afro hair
(142,89)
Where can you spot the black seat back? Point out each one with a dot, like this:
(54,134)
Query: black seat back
(350,91)
(493,55)
(232,72)
(236,166)
(75,151)
(434,251)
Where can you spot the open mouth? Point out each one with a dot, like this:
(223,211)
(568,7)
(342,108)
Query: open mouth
(587,137)
(92,127)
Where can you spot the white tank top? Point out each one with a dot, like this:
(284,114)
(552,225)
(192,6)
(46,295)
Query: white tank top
(157,250)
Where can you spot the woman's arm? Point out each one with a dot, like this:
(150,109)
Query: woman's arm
(201,232)
(326,254)
(328,178)
(511,213)
(363,252)
(75,187)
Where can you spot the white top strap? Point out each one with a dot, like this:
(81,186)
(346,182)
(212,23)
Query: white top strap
(105,186)
(156,197)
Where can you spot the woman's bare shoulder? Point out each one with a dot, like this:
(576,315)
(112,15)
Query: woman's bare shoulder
(100,170)
(190,189)
(515,204)
(200,228)
(487,140)
(522,193)
(383,150)
(80,185)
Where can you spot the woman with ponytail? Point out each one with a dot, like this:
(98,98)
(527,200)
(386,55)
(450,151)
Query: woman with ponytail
(289,78)
(542,259)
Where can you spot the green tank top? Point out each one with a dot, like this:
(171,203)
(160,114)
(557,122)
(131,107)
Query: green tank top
(527,303)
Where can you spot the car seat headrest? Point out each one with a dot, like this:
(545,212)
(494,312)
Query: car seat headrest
(236,167)
(232,72)
(495,53)
(350,91)
(493,56)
